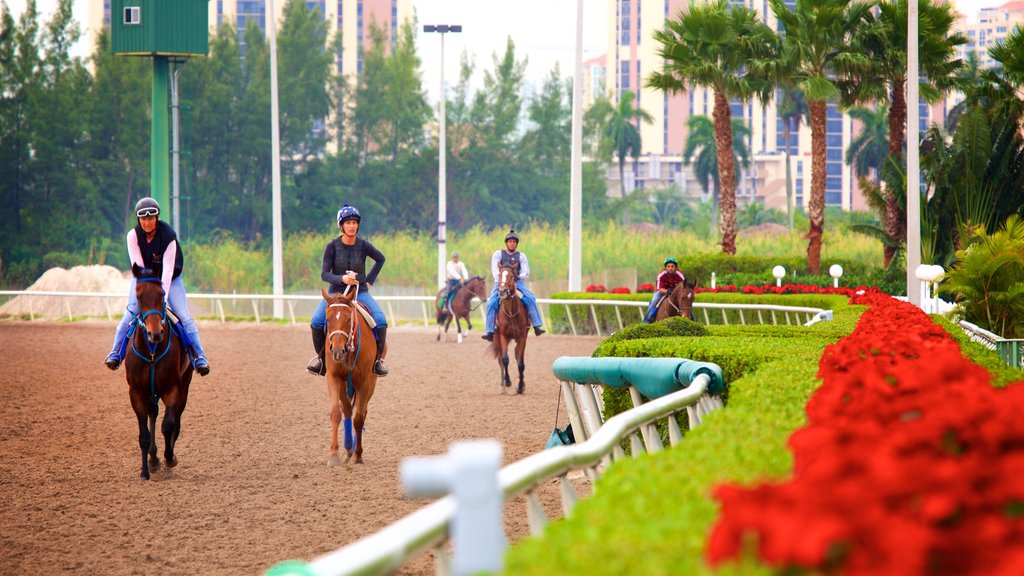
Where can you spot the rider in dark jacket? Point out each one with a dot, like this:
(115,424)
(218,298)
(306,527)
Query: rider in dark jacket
(344,264)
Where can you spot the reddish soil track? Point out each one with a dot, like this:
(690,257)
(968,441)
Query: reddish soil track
(252,487)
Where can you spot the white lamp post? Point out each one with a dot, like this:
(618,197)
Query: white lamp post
(442,155)
(836,272)
(929,275)
(779,272)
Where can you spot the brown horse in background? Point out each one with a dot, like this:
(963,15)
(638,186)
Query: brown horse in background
(460,307)
(512,323)
(679,302)
(157,368)
(352,350)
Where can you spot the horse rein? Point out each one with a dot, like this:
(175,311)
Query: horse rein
(153,359)
(350,339)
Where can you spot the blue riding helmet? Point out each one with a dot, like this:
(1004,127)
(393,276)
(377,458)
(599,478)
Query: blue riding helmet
(511,236)
(670,260)
(147,207)
(348,212)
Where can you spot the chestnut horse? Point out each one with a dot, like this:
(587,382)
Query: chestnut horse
(158,368)
(679,302)
(512,323)
(460,307)
(352,350)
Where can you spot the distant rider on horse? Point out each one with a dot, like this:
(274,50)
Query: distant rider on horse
(457,277)
(153,245)
(511,258)
(345,264)
(666,282)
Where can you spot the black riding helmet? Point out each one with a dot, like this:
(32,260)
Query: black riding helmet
(147,207)
(511,236)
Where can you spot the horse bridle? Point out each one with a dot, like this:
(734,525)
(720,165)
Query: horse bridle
(351,342)
(506,294)
(152,359)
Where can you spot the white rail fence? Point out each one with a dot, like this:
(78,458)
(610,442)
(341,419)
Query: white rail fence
(697,386)
(1011,350)
(420,307)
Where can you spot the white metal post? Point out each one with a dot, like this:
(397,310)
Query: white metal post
(275,164)
(913,157)
(442,178)
(470,473)
(576,169)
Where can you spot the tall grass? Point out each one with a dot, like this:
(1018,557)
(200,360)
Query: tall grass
(611,254)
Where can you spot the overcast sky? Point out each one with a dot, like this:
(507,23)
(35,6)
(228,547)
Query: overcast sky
(543,32)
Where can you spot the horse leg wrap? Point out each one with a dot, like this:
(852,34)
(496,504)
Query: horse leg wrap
(348,434)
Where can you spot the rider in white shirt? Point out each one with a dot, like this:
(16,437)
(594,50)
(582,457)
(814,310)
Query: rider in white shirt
(457,274)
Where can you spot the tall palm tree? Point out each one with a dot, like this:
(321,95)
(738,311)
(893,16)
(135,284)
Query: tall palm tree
(625,135)
(886,44)
(792,108)
(701,149)
(816,53)
(868,150)
(712,45)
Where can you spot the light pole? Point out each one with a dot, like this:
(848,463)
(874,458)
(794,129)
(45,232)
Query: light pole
(576,166)
(275,167)
(442,154)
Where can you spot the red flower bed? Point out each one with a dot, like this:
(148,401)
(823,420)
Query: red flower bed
(619,290)
(911,463)
(596,288)
(645,288)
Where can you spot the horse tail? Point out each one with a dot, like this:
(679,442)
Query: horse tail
(493,348)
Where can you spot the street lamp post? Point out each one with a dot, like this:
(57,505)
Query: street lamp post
(442,154)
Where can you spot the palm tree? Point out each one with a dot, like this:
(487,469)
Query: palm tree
(624,134)
(701,149)
(885,44)
(868,150)
(816,53)
(712,45)
(972,79)
(792,108)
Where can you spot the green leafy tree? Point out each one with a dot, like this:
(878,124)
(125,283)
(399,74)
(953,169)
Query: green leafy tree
(988,280)
(867,151)
(118,127)
(304,80)
(792,108)
(816,52)
(715,46)
(623,132)
(701,150)
(885,44)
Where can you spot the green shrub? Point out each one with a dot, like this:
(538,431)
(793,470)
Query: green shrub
(675,326)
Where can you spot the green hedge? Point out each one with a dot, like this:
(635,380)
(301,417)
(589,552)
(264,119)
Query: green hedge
(653,514)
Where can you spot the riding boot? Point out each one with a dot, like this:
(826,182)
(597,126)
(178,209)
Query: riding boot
(199,361)
(113,360)
(378,365)
(317,366)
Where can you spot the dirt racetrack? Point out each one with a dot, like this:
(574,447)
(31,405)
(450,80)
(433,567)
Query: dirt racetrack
(251,488)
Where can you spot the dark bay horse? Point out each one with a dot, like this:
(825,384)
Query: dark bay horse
(460,307)
(679,302)
(158,368)
(351,352)
(512,323)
